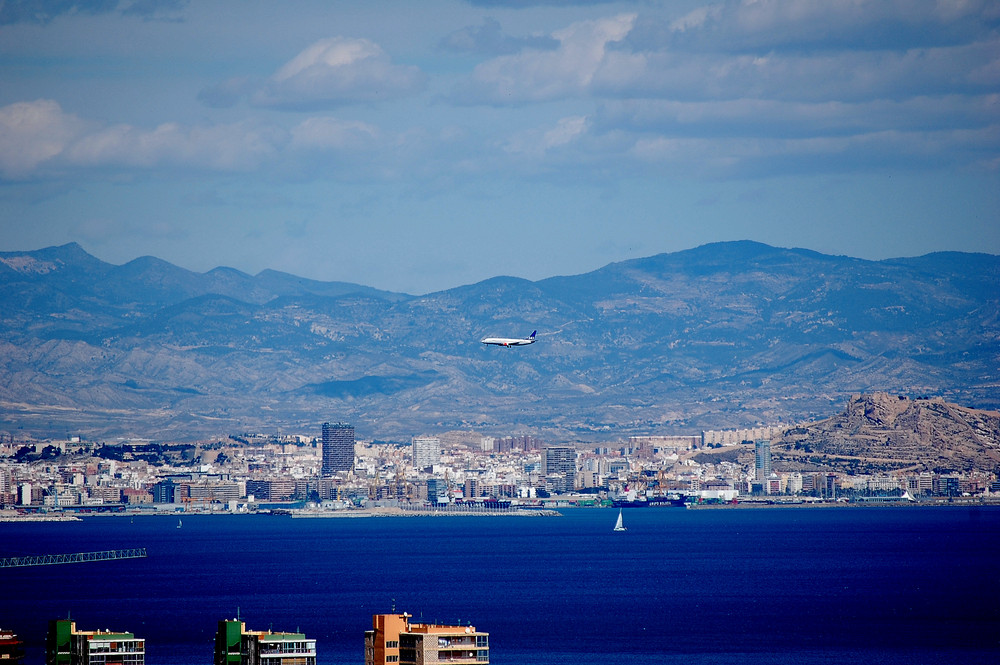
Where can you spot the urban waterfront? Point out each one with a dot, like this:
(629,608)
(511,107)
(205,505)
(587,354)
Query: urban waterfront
(749,585)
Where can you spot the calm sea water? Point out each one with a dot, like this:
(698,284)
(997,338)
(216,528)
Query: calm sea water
(734,587)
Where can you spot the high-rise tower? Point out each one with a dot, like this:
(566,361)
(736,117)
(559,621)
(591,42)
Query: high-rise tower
(338,448)
(762,461)
(560,465)
(426,451)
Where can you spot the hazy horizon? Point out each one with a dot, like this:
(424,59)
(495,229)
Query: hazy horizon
(485,278)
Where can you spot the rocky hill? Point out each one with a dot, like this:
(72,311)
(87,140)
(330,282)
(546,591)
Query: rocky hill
(881,432)
(725,335)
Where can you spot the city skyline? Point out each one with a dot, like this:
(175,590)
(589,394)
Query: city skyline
(434,148)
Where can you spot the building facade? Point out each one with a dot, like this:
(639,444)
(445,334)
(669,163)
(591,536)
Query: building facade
(338,448)
(437,491)
(394,639)
(235,645)
(65,645)
(560,465)
(11,648)
(426,451)
(762,460)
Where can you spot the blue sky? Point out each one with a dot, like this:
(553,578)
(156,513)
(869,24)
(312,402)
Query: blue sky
(420,146)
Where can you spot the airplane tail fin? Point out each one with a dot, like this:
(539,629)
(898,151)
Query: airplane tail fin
(532,335)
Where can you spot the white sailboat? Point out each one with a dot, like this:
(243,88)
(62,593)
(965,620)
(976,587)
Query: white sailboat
(618,525)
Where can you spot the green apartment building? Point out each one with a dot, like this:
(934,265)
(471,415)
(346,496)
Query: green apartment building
(65,645)
(235,645)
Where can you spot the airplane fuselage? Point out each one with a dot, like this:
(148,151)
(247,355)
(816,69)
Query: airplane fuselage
(510,341)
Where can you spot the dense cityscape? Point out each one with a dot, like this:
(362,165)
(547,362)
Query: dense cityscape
(334,473)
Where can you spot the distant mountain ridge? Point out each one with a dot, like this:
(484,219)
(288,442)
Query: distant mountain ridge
(723,335)
(151,281)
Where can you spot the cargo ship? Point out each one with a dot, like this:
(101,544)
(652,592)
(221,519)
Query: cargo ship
(671,501)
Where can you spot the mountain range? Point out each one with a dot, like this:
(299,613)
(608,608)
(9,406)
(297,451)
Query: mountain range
(721,336)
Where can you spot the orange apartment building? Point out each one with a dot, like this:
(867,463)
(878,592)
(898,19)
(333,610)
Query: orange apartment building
(393,639)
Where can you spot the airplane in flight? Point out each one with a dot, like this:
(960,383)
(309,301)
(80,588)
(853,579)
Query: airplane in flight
(510,341)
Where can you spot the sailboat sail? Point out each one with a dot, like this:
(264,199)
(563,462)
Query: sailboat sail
(618,525)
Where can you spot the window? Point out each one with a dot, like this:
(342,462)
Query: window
(482,640)
(392,659)
(392,644)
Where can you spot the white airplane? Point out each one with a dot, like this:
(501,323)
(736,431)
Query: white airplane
(510,341)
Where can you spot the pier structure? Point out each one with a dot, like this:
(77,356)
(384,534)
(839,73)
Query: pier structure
(52,559)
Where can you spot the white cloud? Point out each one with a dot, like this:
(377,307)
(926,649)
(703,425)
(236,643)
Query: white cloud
(334,53)
(754,156)
(696,82)
(490,39)
(765,25)
(767,117)
(337,71)
(696,18)
(843,76)
(45,11)
(537,142)
(566,131)
(240,146)
(38,139)
(539,75)
(330,133)
(795,85)
(32,133)
(794,50)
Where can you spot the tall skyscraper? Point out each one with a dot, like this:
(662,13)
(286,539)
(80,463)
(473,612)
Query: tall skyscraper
(762,461)
(338,448)
(426,451)
(830,486)
(560,463)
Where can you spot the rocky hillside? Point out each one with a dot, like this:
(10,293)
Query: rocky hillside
(880,432)
(725,335)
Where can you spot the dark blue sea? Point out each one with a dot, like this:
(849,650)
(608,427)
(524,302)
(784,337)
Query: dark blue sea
(728,586)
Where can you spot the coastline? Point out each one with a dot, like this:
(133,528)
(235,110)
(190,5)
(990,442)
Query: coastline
(969,502)
(400,512)
(8,516)
(38,517)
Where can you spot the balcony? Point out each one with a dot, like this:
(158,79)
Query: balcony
(463,656)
